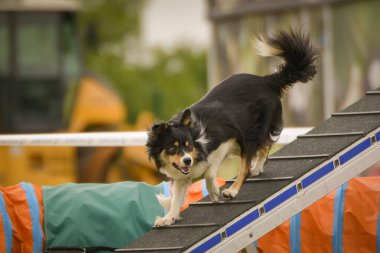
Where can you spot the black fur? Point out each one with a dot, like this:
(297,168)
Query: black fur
(245,107)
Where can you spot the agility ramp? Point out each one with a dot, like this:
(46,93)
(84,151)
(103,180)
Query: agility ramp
(294,177)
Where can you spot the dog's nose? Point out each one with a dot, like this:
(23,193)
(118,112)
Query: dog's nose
(187,161)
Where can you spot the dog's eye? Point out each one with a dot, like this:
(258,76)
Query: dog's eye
(189,147)
(171,150)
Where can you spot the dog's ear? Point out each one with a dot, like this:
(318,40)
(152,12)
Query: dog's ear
(154,144)
(159,129)
(186,119)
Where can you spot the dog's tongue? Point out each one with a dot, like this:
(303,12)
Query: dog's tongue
(185,170)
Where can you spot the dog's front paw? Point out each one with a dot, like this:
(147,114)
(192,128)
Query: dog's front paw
(214,196)
(230,193)
(213,189)
(164,221)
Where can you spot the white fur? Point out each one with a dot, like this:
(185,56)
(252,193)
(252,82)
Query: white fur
(216,158)
(274,138)
(180,187)
(202,139)
(186,155)
(258,161)
(230,192)
(257,166)
(181,182)
(164,201)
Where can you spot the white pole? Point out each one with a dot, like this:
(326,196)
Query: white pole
(114,139)
(106,139)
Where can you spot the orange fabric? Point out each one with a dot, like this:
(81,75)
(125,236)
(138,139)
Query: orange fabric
(18,210)
(276,240)
(315,231)
(360,215)
(361,212)
(2,236)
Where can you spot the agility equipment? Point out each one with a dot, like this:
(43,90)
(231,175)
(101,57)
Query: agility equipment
(77,217)
(102,217)
(294,177)
(106,139)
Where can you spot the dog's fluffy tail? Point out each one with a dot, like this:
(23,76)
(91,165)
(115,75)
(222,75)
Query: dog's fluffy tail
(298,54)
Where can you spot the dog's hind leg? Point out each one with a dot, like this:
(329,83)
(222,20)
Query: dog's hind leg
(215,159)
(233,190)
(259,160)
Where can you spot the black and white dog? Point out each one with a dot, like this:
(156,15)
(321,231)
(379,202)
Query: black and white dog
(240,116)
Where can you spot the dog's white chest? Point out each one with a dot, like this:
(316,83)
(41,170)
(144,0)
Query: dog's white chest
(199,169)
(229,147)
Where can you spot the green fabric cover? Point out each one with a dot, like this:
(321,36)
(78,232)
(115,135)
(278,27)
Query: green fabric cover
(112,215)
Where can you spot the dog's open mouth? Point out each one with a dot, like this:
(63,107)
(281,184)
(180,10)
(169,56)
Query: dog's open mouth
(184,170)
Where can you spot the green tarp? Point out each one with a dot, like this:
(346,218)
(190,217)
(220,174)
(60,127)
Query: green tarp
(112,215)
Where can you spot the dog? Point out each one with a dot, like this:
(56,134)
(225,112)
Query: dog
(240,116)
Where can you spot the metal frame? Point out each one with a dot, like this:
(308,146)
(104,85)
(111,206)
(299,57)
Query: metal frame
(315,184)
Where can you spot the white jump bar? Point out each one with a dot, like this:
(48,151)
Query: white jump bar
(106,139)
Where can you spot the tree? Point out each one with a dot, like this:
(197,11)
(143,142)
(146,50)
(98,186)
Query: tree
(110,35)
(109,25)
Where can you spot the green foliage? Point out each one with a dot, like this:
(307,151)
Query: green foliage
(173,80)
(109,24)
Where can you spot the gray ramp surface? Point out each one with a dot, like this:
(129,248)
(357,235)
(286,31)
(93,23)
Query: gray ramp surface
(283,168)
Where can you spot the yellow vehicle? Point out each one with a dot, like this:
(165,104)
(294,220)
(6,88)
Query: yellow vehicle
(43,88)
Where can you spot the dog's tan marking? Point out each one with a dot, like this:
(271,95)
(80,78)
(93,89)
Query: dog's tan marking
(187,121)
(165,158)
(186,143)
(193,153)
(263,152)
(175,159)
(259,160)
(176,144)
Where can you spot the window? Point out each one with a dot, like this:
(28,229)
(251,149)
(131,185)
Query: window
(4,45)
(37,45)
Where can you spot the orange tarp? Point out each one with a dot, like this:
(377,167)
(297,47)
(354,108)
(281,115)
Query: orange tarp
(21,205)
(346,220)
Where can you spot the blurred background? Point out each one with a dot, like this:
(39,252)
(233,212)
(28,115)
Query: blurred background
(118,65)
